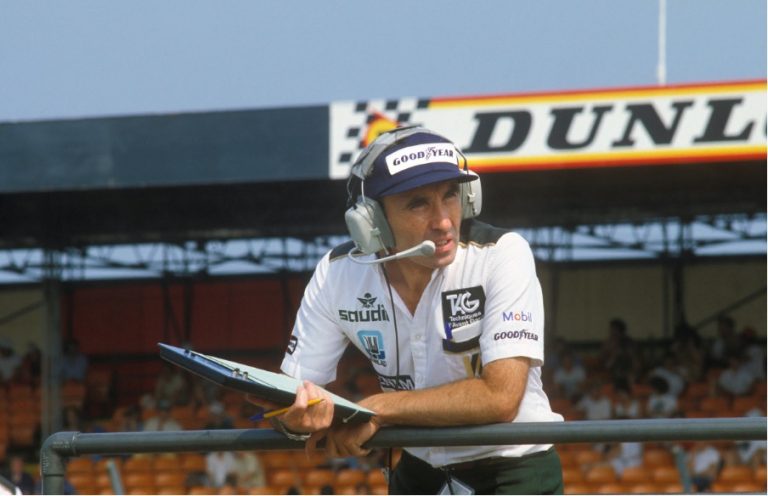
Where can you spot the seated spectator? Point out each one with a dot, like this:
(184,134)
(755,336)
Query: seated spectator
(624,405)
(249,470)
(660,403)
(74,364)
(688,348)
(569,377)
(72,419)
(619,353)
(130,420)
(595,405)
(18,475)
(725,344)
(162,421)
(754,352)
(622,456)
(737,379)
(220,466)
(704,463)
(750,453)
(30,370)
(670,370)
(218,418)
(171,386)
(9,360)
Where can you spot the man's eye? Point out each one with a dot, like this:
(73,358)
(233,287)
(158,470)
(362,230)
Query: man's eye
(416,204)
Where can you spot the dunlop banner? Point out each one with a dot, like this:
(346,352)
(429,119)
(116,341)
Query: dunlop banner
(659,125)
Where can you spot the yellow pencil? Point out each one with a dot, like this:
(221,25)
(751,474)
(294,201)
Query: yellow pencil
(281,411)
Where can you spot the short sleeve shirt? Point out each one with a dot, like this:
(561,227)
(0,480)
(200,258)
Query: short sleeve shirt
(485,306)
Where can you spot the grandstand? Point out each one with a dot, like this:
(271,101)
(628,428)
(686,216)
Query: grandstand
(204,228)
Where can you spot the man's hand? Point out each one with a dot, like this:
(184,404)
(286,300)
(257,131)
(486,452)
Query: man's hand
(303,418)
(300,417)
(347,440)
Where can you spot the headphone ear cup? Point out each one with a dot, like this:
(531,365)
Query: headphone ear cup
(368,226)
(471,197)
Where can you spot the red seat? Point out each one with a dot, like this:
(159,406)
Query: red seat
(600,474)
(658,457)
(736,473)
(572,475)
(317,478)
(612,488)
(578,488)
(138,463)
(636,475)
(666,474)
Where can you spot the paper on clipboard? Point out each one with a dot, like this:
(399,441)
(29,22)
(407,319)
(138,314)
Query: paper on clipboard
(278,388)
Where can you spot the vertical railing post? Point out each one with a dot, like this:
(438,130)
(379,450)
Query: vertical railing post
(52,467)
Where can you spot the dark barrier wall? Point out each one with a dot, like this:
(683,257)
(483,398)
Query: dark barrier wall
(286,144)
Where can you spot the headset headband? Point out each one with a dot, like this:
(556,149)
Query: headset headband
(364,163)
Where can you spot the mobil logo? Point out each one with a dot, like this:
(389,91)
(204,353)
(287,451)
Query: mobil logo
(516,316)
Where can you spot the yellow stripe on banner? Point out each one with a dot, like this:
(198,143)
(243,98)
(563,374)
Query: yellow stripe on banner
(597,95)
(478,164)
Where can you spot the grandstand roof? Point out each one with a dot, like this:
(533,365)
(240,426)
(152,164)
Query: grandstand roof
(256,173)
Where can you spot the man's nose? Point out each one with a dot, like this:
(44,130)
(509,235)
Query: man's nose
(441,217)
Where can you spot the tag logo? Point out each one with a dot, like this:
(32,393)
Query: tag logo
(373,344)
(462,303)
(462,307)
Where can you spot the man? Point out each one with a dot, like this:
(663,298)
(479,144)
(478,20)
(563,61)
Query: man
(456,336)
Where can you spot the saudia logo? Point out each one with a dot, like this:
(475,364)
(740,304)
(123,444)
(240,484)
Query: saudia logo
(373,344)
(371,311)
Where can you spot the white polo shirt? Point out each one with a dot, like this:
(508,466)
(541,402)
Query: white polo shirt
(485,306)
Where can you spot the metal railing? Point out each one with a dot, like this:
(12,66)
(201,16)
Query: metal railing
(62,445)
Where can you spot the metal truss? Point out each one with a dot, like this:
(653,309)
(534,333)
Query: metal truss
(736,234)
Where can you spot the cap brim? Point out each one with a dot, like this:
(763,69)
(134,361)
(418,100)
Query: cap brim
(435,174)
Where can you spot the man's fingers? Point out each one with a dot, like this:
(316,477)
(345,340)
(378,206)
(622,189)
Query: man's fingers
(302,397)
(330,447)
(314,439)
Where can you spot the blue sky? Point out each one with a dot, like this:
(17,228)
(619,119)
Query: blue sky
(93,58)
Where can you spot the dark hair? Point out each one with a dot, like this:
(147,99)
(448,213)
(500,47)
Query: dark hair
(619,324)
(622,384)
(659,384)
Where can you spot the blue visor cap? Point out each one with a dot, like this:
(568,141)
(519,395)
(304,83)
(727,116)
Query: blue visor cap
(415,161)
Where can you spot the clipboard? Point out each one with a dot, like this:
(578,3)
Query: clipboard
(277,388)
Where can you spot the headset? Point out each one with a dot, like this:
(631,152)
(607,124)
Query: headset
(365,218)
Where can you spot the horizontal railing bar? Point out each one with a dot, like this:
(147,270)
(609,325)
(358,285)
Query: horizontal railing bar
(68,444)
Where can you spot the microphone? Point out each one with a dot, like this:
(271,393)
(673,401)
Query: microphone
(424,249)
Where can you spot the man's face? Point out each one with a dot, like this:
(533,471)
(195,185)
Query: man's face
(431,212)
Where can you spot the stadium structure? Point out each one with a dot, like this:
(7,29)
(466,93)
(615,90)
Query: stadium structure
(201,229)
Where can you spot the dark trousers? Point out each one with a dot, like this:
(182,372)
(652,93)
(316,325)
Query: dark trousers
(538,473)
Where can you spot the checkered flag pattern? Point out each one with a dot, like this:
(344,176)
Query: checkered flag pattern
(401,111)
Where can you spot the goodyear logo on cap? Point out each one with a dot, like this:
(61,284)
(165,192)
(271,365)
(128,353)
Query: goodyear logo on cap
(427,153)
